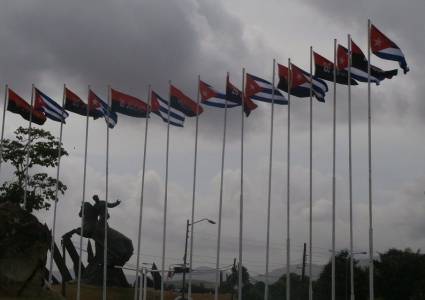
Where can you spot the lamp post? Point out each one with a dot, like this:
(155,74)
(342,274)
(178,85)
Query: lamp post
(185,250)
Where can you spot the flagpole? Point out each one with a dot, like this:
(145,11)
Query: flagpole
(369,123)
(139,234)
(105,246)
(288,180)
(220,207)
(145,289)
(333,174)
(6,99)
(266,291)
(52,242)
(241,196)
(310,258)
(195,159)
(28,148)
(164,232)
(83,200)
(350,171)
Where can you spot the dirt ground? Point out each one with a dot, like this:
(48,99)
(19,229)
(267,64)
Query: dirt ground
(91,292)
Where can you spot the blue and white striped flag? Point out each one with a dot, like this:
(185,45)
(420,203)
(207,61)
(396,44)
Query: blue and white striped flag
(98,107)
(259,89)
(49,107)
(162,108)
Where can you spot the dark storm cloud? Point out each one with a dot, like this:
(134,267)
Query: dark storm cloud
(128,44)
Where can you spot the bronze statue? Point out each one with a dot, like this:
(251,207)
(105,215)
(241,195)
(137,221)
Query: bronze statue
(120,248)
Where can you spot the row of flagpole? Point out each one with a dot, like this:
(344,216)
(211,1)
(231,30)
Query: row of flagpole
(371,251)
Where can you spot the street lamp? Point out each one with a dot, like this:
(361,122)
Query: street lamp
(185,250)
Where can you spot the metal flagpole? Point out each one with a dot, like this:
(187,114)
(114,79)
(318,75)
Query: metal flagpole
(369,123)
(83,200)
(288,180)
(217,264)
(241,196)
(194,191)
(310,258)
(6,99)
(105,248)
(266,291)
(52,243)
(333,174)
(145,289)
(139,237)
(28,149)
(164,232)
(350,171)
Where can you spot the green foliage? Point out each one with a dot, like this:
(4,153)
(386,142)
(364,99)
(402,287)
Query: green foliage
(322,287)
(231,282)
(400,275)
(43,152)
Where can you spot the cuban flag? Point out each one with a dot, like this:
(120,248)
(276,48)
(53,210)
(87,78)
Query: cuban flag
(98,107)
(259,89)
(300,83)
(384,48)
(168,114)
(211,97)
(359,65)
(320,88)
(49,107)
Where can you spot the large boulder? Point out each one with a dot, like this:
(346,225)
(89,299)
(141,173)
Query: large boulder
(24,243)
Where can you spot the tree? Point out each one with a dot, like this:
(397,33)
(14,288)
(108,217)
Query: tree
(43,154)
(400,275)
(322,287)
(298,290)
(231,283)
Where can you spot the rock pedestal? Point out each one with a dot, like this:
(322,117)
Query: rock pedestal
(24,243)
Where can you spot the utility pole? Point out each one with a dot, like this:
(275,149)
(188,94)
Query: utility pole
(303,269)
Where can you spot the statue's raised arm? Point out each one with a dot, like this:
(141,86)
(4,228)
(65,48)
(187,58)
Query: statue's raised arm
(114,204)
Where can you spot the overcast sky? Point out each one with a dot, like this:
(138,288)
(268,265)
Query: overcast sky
(130,44)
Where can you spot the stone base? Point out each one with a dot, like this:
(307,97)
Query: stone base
(24,242)
(93,275)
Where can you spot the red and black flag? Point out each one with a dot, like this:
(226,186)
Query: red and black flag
(128,105)
(183,103)
(324,69)
(74,104)
(233,94)
(19,106)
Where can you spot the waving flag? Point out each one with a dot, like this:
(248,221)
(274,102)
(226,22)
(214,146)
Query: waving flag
(49,107)
(128,105)
(183,103)
(210,97)
(259,89)
(168,114)
(98,108)
(324,69)
(384,48)
(359,65)
(19,106)
(233,94)
(300,83)
(74,104)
